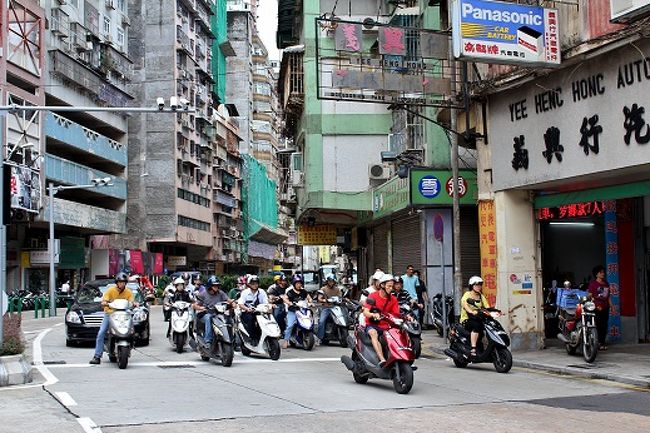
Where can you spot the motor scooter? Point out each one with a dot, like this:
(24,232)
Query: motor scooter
(413,329)
(120,338)
(437,313)
(364,362)
(498,341)
(222,346)
(578,329)
(268,342)
(302,334)
(180,325)
(337,321)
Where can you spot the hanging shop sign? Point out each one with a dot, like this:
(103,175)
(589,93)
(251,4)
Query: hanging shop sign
(612,270)
(574,123)
(390,197)
(437,187)
(380,63)
(496,32)
(175,261)
(575,210)
(488,247)
(317,235)
(25,187)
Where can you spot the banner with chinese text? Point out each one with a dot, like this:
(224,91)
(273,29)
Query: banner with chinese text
(611,265)
(317,235)
(488,248)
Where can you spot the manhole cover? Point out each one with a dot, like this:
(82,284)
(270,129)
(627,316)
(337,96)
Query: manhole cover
(176,366)
(54,362)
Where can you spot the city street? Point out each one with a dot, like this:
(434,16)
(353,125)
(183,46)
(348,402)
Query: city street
(162,391)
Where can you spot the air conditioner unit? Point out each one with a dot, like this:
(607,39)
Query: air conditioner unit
(125,20)
(110,4)
(379,171)
(624,11)
(297,178)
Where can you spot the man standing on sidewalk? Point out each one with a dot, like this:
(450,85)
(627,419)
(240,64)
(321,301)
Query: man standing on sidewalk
(411,285)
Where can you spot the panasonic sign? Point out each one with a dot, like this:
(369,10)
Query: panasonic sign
(498,32)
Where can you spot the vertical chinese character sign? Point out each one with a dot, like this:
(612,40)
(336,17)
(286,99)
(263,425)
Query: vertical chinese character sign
(611,242)
(488,248)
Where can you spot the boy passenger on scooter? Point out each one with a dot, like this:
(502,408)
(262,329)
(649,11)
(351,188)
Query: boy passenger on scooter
(383,303)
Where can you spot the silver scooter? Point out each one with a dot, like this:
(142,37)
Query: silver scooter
(120,337)
(337,322)
(180,325)
(269,341)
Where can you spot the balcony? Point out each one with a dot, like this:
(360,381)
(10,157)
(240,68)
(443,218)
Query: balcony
(84,216)
(60,170)
(82,138)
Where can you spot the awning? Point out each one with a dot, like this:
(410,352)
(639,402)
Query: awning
(270,236)
(629,190)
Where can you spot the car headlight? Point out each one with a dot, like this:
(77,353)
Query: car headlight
(72,317)
(140,316)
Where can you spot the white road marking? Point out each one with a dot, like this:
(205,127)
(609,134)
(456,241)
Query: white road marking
(65,399)
(50,379)
(198,363)
(88,425)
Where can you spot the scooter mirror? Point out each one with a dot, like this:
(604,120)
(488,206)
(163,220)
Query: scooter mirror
(365,292)
(370,301)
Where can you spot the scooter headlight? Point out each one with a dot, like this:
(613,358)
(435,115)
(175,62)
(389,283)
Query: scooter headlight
(140,316)
(221,308)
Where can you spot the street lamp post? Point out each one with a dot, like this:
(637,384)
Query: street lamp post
(106,181)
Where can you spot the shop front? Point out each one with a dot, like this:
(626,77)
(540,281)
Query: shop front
(571,181)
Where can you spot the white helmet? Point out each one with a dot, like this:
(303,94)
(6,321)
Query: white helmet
(377,275)
(385,277)
(475,280)
(178,281)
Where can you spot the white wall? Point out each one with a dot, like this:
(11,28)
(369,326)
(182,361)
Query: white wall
(346,159)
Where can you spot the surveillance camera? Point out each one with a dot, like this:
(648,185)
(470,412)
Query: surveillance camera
(184,103)
(161,103)
(173,103)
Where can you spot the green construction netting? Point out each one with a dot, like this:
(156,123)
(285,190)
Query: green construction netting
(260,205)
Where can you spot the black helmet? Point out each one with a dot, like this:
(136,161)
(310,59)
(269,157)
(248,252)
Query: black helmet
(185,276)
(398,279)
(121,277)
(213,281)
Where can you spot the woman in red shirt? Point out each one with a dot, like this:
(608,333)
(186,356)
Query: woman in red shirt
(388,306)
(599,293)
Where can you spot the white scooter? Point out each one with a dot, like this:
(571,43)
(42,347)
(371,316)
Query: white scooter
(120,337)
(269,340)
(180,325)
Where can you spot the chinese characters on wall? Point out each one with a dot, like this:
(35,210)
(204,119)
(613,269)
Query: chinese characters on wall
(488,249)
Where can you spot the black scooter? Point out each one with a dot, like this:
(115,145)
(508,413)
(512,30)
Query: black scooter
(222,346)
(496,351)
(413,328)
(437,313)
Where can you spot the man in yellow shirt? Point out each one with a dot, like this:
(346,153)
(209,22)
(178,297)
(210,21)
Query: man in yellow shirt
(119,291)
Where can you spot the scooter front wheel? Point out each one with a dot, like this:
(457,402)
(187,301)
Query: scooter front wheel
(502,359)
(122,357)
(227,354)
(273,346)
(403,378)
(343,336)
(308,340)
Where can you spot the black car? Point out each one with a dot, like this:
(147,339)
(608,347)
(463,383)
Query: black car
(84,317)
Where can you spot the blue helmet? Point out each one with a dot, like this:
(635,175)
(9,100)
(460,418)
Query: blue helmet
(297,279)
(213,281)
(330,277)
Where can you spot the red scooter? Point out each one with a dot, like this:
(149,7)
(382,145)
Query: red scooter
(364,362)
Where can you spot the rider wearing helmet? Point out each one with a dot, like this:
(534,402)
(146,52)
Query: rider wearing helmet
(250,298)
(469,312)
(113,292)
(275,293)
(180,294)
(329,290)
(384,304)
(294,294)
(205,302)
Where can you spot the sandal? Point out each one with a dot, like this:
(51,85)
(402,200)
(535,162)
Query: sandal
(473,352)
(603,347)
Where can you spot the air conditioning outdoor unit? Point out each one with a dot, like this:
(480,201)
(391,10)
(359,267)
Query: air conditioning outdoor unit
(297,178)
(379,171)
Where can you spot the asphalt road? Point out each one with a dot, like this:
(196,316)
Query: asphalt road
(162,391)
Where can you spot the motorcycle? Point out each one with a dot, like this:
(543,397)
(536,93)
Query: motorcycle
(222,346)
(437,313)
(578,329)
(120,338)
(496,352)
(364,362)
(180,324)
(302,334)
(354,309)
(412,328)
(336,323)
(269,341)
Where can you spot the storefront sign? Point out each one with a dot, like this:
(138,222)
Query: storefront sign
(488,249)
(612,270)
(381,63)
(317,235)
(390,197)
(574,123)
(496,32)
(41,257)
(174,261)
(575,210)
(436,187)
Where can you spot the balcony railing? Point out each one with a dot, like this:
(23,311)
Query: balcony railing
(61,170)
(82,138)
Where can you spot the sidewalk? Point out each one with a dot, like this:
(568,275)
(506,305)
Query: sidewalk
(623,363)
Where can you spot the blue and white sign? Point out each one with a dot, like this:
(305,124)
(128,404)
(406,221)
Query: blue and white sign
(429,186)
(497,32)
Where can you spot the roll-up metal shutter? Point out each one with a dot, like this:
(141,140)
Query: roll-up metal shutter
(470,254)
(380,246)
(406,239)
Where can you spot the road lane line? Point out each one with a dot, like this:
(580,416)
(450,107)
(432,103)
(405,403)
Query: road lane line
(65,399)
(50,379)
(198,363)
(89,425)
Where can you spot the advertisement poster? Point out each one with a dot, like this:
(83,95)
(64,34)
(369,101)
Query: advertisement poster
(158,266)
(135,262)
(611,266)
(488,248)
(25,186)
(317,235)
(497,32)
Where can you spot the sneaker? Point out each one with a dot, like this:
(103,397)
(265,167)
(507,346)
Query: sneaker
(96,360)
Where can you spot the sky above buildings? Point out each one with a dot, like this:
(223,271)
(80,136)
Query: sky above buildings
(267,24)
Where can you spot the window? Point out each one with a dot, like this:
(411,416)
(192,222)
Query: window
(120,37)
(107,26)
(193,223)
(192,197)
(121,5)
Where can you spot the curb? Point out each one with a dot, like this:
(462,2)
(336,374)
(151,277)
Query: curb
(14,370)
(438,353)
